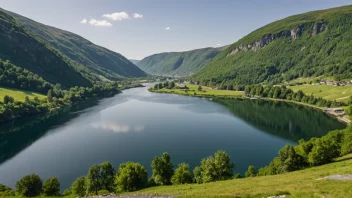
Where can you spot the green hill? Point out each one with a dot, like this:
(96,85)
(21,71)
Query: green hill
(178,63)
(22,49)
(316,43)
(93,61)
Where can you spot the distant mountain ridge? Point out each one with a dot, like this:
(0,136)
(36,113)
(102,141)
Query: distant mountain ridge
(93,61)
(133,61)
(312,44)
(178,63)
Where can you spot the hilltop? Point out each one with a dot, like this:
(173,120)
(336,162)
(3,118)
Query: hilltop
(312,44)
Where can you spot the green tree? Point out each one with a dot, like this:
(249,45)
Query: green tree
(29,186)
(51,187)
(200,88)
(79,187)
(94,179)
(50,95)
(130,177)
(8,99)
(107,173)
(182,175)
(223,165)
(197,173)
(251,172)
(162,169)
(290,160)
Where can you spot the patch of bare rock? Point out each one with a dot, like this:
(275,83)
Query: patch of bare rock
(134,196)
(337,177)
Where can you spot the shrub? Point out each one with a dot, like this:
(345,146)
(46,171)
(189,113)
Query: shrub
(130,177)
(182,175)
(79,187)
(51,187)
(29,186)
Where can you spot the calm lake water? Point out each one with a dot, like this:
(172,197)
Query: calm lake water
(138,125)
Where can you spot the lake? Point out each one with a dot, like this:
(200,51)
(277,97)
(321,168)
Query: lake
(138,125)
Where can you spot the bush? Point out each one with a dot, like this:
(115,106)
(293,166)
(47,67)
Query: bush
(182,175)
(130,177)
(29,186)
(79,187)
(251,172)
(51,187)
(162,169)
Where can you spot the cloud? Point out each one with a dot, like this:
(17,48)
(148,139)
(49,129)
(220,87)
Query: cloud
(137,16)
(117,16)
(101,23)
(167,28)
(218,45)
(117,128)
(84,21)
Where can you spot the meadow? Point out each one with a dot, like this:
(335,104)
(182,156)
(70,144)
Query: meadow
(19,95)
(329,92)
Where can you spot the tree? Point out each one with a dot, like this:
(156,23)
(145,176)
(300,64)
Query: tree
(107,173)
(94,179)
(79,187)
(29,186)
(182,175)
(8,99)
(290,160)
(130,177)
(162,169)
(199,88)
(251,172)
(51,187)
(197,172)
(50,95)
(223,165)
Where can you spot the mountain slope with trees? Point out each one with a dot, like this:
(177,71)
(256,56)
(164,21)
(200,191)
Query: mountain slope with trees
(178,63)
(312,44)
(24,50)
(93,61)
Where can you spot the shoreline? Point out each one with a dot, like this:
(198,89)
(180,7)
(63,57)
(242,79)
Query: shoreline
(343,119)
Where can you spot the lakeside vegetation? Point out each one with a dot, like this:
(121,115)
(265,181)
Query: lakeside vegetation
(20,95)
(131,176)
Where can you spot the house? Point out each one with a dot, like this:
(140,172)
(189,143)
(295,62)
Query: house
(322,82)
(181,86)
(329,83)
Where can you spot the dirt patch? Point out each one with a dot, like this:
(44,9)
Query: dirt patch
(337,177)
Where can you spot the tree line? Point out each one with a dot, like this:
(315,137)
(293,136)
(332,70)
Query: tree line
(131,176)
(56,98)
(166,85)
(282,92)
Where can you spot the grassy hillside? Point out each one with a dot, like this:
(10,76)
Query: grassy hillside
(20,48)
(311,44)
(178,63)
(19,95)
(295,184)
(328,92)
(93,61)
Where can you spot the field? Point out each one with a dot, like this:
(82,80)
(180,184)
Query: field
(295,184)
(19,95)
(206,91)
(329,92)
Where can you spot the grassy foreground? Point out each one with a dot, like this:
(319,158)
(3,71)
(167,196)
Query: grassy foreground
(206,91)
(329,92)
(19,95)
(302,183)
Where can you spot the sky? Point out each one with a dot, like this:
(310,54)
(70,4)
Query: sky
(139,28)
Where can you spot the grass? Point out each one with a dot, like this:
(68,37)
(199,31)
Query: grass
(329,92)
(19,95)
(206,91)
(302,183)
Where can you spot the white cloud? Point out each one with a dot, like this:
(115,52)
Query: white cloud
(137,16)
(102,23)
(218,45)
(84,21)
(117,16)
(167,28)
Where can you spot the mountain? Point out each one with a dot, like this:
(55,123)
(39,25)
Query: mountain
(24,50)
(93,61)
(178,63)
(312,44)
(133,61)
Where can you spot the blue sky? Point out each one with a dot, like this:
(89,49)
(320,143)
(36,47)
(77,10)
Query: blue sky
(165,25)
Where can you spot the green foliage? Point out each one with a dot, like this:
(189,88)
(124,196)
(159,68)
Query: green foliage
(79,187)
(107,174)
(214,168)
(67,192)
(319,48)
(162,169)
(349,110)
(178,63)
(290,160)
(251,172)
(51,187)
(29,186)
(131,177)
(6,191)
(94,180)
(182,175)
